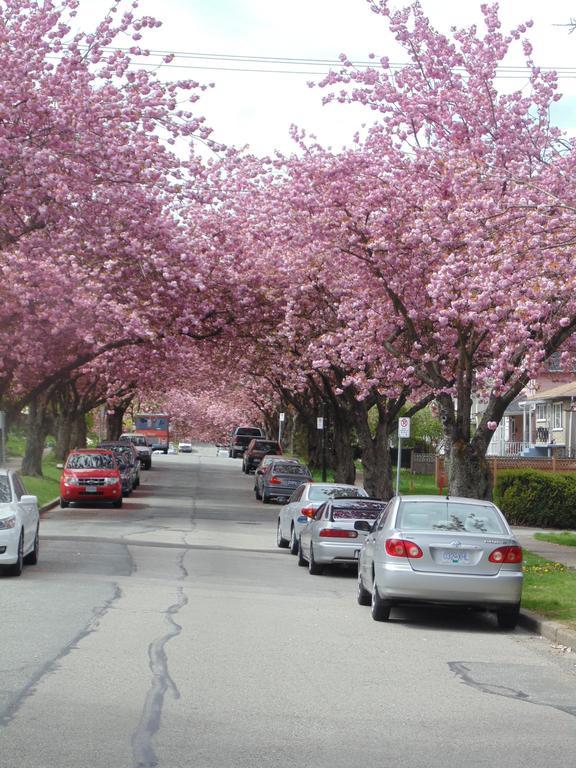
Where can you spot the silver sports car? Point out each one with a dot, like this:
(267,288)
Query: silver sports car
(431,549)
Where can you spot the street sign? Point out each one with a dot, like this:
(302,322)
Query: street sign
(282,416)
(404,426)
(320,422)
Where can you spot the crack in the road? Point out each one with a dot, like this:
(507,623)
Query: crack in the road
(29,689)
(539,688)
(143,751)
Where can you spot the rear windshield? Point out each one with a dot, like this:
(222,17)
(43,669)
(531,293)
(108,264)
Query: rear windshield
(287,468)
(5,492)
(359,510)
(321,492)
(91,461)
(449,516)
(135,439)
(265,445)
(254,431)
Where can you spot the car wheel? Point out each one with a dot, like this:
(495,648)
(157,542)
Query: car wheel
(257,492)
(508,617)
(265,497)
(314,568)
(380,608)
(280,542)
(32,557)
(293,542)
(362,595)
(117,503)
(301,559)
(16,569)
(64,504)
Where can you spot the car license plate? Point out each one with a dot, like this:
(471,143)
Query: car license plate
(91,489)
(455,557)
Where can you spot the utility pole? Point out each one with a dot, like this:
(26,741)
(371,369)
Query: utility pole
(321,425)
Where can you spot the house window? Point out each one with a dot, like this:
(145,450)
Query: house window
(556,415)
(554,362)
(541,412)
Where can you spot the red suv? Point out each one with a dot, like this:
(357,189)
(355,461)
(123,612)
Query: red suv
(91,475)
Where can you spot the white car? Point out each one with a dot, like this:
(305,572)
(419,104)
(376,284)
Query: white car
(184,446)
(296,514)
(19,525)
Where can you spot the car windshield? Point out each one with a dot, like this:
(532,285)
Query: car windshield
(254,431)
(321,492)
(358,510)
(5,492)
(91,461)
(288,468)
(449,516)
(265,445)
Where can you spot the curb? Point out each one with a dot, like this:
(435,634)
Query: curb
(557,633)
(49,506)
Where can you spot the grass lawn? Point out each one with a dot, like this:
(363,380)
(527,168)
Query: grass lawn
(47,488)
(549,589)
(566,538)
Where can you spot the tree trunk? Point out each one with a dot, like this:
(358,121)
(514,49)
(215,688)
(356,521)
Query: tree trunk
(114,421)
(36,431)
(343,452)
(79,431)
(63,436)
(468,472)
(376,461)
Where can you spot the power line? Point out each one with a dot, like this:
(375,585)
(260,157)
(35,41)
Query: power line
(506,71)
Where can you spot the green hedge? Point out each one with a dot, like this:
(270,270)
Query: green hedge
(534,498)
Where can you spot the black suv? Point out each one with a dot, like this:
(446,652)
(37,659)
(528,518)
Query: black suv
(240,439)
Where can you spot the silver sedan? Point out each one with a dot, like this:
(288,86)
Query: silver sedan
(295,515)
(429,549)
(336,533)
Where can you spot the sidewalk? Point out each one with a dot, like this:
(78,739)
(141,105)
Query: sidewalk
(557,633)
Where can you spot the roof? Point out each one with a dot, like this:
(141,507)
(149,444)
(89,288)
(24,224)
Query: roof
(564,390)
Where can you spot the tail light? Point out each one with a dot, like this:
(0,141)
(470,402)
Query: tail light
(403,548)
(506,555)
(308,511)
(275,480)
(337,533)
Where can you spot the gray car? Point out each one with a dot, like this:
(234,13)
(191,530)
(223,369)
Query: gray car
(302,505)
(435,550)
(336,533)
(279,479)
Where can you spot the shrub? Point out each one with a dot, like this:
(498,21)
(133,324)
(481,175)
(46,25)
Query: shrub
(535,498)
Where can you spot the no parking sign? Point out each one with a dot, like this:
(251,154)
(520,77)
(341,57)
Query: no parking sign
(404,426)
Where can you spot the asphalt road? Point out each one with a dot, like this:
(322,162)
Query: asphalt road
(174,633)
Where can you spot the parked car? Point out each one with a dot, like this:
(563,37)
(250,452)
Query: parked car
(91,475)
(264,461)
(142,445)
(335,534)
(302,505)
(19,525)
(241,437)
(125,451)
(434,550)
(279,479)
(184,446)
(125,475)
(255,452)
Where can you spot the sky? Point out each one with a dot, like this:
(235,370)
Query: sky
(256,109)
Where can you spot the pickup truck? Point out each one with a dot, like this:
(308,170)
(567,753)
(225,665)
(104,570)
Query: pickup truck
(240,439)
(142,445)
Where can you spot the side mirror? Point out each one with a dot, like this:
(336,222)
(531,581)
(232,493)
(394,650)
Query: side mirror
(59,466)
(363,525)
(28,499)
